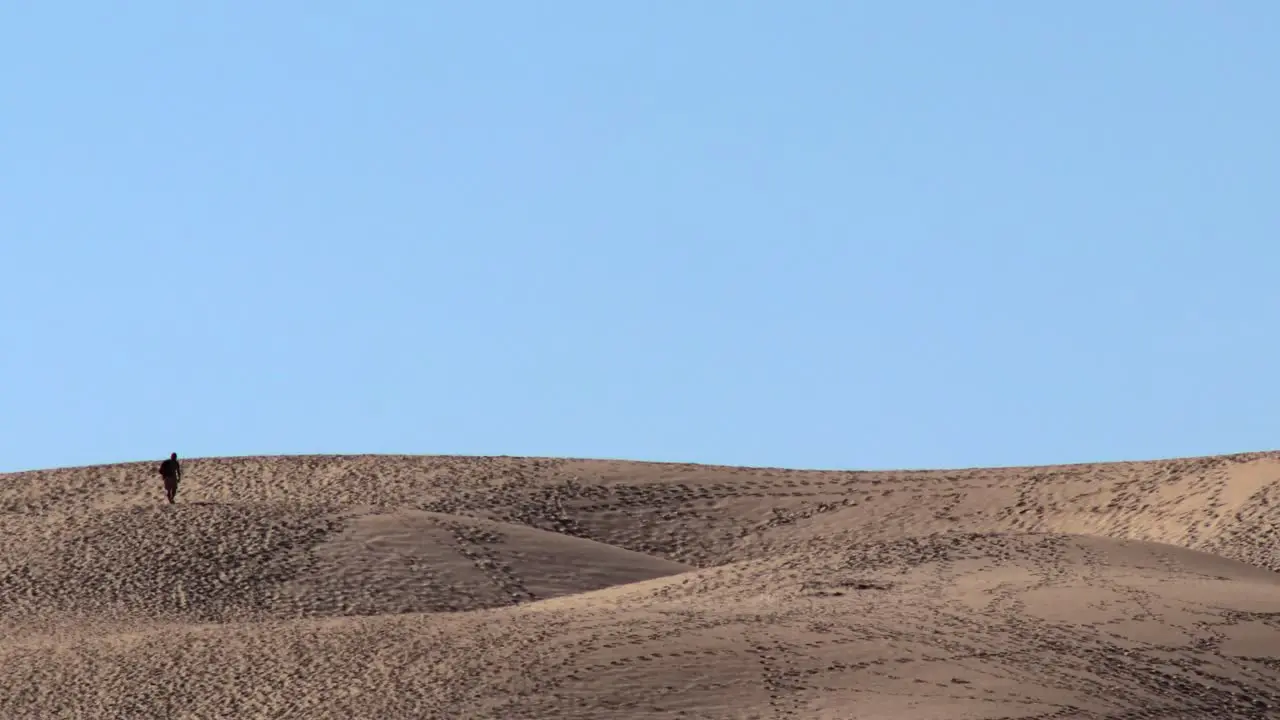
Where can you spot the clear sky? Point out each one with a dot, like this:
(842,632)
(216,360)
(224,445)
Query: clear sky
(798,233)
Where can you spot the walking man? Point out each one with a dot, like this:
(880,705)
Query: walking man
(171,471)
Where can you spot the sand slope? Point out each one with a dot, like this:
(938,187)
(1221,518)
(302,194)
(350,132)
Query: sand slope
(391,586)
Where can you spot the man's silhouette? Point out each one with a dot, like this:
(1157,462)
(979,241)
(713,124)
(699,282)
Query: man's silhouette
(171,471)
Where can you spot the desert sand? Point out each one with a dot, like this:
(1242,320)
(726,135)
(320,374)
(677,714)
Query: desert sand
(456,587)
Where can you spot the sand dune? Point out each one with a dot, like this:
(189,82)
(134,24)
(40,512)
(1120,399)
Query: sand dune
(447,587)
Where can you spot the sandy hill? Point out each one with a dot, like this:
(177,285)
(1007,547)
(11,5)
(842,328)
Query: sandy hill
(449,587)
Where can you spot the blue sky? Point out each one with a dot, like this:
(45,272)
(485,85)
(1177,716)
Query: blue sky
(807,234)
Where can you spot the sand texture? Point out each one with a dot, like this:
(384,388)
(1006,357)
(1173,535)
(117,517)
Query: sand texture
(387,587)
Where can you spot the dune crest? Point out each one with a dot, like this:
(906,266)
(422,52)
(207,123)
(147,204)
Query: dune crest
(457,587)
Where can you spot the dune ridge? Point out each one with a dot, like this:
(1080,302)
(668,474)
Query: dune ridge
(509,587)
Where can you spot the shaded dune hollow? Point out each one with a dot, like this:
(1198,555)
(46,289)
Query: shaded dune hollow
(505,587)
(218,563)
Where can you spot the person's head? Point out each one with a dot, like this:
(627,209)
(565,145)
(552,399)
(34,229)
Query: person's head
(173,456)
